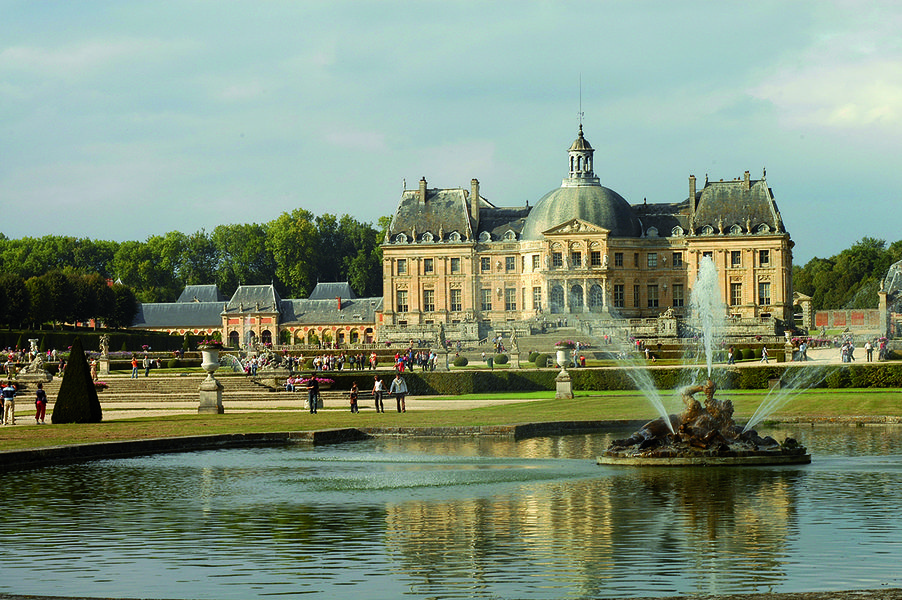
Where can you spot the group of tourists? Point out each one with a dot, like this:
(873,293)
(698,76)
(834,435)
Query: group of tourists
(8,404)
(398,389)
(344,362)
(408,360)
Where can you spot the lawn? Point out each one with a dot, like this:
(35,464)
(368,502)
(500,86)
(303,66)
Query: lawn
(587,406)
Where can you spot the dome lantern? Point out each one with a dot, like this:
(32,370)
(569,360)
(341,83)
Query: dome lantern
(580,155)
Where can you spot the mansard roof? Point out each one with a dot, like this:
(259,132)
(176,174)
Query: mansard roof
(201,293)
(254,298)
(743,202)
(178,315)
(442,211)
(332,290)
(327,312)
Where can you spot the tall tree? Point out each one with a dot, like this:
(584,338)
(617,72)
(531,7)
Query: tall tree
(242,257)
(292,239)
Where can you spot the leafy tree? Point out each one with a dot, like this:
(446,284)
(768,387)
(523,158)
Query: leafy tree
(123,308)
(241,256)
(77,399)
(292,239)
(15,301)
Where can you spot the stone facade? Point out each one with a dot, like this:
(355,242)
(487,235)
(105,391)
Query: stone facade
(582,253)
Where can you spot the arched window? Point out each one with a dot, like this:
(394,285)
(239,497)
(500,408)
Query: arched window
(234,339)
(401,238)
(576,298)
(677,231)
(510,235)
(596,298)
(557,299)
(266,337)
(735,230)
(454,237)
(485,236)
(707,230)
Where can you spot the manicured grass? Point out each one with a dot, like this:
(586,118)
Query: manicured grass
(587,406)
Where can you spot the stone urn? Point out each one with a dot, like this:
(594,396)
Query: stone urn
(210,360)
(210,388)
(563,357)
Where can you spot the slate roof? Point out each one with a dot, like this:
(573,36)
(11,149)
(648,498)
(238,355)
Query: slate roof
(663,217)
(201,293)
(254,298)
(325,312)
(749,204)
(332,290)
(178,315)
(498,221)
(443,211)
(592,203)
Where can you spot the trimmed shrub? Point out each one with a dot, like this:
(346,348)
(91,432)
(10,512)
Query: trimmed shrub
(173,363)
(532,356)
(501,359)
(541,359)
(461,361)
(77,400)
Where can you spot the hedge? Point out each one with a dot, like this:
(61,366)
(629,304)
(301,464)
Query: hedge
(501,359)
(874,375)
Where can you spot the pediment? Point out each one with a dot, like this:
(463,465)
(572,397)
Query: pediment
(576,225)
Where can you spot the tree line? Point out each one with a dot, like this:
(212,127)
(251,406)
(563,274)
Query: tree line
(850,279)
(292,252)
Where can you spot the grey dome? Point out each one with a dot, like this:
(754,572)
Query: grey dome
(595,204)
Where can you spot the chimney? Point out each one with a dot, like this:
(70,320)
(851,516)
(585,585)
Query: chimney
(746,182)
(691,201)
(474,202)
(421,194)
(339,302)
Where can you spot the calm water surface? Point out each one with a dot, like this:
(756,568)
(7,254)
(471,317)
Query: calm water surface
(439,518)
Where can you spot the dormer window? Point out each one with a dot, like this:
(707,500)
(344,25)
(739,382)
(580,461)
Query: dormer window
(676,231)
(427,237)
(454,237)
(485,236)
(510,235)
(652,232)
(763,228)
(735,230)
(707,230)
(401,238)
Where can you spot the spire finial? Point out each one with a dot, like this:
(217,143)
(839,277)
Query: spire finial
(580,113)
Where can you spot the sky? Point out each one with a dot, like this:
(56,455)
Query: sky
(122,120)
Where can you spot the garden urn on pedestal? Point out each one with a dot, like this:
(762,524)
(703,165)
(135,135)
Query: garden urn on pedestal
(210,388)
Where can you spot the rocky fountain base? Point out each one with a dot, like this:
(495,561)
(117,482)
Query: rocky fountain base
(701,435)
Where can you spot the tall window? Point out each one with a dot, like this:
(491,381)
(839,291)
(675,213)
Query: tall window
(618,259)
(618,295)
(455,301)
(485,264)
(595,258)
(455,265)
(576,259)
(429,300)
(537,298)
(535,262)
(763,293)
(510,299)
(510,263)
(679,294)
(557,260)
(763,258)
(677,259)
(636,259)
(402,301)
(652,296)
(402,266)
(652,260)
(735,258)
(486,299)
(735,294)
(636,295)
(428,265)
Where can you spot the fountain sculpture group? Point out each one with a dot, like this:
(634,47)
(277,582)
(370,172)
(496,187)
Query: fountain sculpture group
(703,434)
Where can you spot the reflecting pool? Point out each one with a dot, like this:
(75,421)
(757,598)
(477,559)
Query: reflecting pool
(456,518)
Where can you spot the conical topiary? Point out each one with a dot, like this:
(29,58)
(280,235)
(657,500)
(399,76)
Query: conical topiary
(77,399)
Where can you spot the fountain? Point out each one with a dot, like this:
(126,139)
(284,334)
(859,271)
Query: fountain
(703,434)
